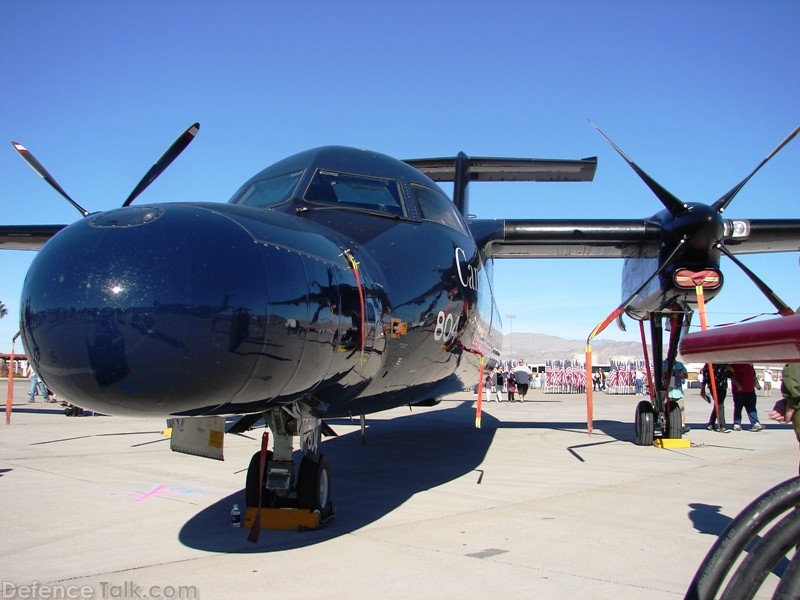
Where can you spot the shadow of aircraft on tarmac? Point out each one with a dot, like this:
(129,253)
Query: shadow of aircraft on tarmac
(402,457)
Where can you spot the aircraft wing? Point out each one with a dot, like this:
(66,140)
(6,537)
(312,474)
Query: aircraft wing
(575,238)
(617,238)
(546,238)
(771,340)
(762,235)
(26,237)
(483,168)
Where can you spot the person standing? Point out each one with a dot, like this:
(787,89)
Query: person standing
(743,379)
(787,410)
(487,386)
(38,387)
(494,376)
(511,385)
(638,380)
(522,375)
(501,383)
(675,387)
(721,373)
(34,379)
(767,381)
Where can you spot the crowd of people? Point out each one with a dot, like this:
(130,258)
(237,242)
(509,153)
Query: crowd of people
(744,384)
(514,381)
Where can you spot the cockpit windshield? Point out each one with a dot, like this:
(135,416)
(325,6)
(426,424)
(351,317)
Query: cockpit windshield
(268,192)
(438,208)
(355,191)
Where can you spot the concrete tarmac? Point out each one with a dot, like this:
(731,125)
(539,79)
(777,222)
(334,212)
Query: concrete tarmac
(529,506)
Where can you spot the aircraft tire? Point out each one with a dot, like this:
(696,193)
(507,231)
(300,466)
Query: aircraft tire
(644,424)
(674,425)
(314,486)
(268,498)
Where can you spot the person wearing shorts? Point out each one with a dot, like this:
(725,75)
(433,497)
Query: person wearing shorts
(522,375)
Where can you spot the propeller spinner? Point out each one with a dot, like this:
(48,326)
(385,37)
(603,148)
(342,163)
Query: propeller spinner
(700,225)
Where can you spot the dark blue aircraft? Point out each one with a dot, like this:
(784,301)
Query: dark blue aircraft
(335,282)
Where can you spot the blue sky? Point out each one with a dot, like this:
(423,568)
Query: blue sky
(697,93)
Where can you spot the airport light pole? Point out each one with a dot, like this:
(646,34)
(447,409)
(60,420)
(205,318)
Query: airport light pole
(511,335)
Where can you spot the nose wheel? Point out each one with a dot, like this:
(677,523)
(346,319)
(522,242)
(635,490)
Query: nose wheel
(645,427)
(251,491)
(314,486)
(674,428)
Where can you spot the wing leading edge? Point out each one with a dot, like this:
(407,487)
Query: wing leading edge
(618,238)
(462,169)
(545,238)
(507,169)
(551,238)
(26,237)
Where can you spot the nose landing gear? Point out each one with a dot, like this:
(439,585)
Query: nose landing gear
(289,501)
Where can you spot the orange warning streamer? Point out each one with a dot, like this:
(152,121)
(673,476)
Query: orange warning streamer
(479,405)
(10,393)
(701,309)
(588,350)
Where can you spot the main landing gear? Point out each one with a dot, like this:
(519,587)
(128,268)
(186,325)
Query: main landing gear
(310,488)
(648,416)
(662,414)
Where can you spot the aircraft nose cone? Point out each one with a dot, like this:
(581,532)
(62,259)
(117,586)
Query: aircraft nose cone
(146,310)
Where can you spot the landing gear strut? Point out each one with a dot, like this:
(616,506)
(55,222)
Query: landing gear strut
(310,487)
(663,413)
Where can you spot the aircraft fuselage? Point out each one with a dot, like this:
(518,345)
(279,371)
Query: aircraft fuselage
(341,301)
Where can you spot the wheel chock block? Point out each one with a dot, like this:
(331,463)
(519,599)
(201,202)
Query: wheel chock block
(289,519)
(672,443)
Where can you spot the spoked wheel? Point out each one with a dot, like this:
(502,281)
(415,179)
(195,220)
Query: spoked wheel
(644,424)
(314,486)
(268,498)
(674,429)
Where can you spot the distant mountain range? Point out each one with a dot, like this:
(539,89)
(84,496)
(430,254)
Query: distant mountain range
(536,348)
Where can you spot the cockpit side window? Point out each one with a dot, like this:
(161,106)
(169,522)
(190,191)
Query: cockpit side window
(437,207)
(355,191)
(263,193)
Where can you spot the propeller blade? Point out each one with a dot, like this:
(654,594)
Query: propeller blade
(779,304)
(42,172)
(670,202)
(721,204)
(162,163)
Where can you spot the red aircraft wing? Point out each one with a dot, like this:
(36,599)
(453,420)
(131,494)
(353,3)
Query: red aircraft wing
(773,340)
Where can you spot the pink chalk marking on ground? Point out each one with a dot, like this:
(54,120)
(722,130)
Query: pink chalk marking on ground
(156,491)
